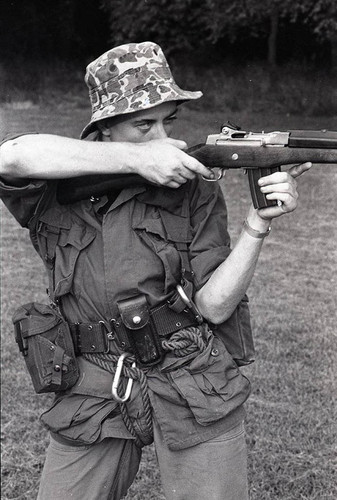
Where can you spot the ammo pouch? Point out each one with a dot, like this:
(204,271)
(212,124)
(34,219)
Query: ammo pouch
(46,344)
(236,334)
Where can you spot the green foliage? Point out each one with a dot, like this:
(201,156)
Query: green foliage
(173,24)
(35,24)
(323,15)
(179,24)
(79,29)
(49,29)
(320,15)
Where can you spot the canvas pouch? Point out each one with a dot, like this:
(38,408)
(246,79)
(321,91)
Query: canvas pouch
(236,333)
(45,341)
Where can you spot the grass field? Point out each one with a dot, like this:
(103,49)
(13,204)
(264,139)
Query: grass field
(291,422)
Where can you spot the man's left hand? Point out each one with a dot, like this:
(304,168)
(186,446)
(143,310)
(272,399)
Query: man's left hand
(281,186)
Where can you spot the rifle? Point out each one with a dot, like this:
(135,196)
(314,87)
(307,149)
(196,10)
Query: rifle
(260,154)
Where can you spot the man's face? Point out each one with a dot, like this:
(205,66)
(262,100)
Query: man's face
(143,126)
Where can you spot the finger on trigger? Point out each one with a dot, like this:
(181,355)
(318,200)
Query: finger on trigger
(198,168)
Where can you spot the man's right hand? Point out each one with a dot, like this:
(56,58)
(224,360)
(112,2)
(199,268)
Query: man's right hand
(162,162)
(165,163)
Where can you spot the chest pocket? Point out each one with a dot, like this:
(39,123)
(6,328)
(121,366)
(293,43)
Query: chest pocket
(60,243)
(163,232)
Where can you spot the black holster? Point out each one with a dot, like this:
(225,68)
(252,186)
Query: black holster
(136,332)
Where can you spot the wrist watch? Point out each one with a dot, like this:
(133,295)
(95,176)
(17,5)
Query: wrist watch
(253,232)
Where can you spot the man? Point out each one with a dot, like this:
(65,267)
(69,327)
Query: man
(113,261)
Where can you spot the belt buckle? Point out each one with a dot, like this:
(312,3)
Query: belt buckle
(109,335)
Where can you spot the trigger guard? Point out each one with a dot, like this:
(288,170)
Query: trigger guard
(221,175)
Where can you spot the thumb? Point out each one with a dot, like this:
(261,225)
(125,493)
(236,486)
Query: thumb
(177,143)
(298,170)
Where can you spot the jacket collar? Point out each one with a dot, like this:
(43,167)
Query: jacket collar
(171,200)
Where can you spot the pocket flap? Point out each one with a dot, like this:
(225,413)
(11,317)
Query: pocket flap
(56,217)
(215,390)
(134,312)
(152,225)
(78,236)
(37,318)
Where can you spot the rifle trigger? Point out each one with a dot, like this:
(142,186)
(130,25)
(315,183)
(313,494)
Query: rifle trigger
(220,174)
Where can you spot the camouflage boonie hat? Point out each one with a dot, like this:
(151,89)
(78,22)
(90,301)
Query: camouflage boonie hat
(130,78)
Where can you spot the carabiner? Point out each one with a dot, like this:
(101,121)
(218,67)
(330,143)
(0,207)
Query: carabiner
(190,304)
(115,382)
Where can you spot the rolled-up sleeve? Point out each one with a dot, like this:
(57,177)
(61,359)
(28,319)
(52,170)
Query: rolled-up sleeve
(211,242)
(22,201)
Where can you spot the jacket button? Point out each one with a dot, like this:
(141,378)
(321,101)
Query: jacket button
(57,368)
(136,320)
(215,352)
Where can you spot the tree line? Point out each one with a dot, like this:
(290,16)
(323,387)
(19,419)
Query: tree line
(274,30)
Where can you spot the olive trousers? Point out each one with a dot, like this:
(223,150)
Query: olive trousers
(214,470)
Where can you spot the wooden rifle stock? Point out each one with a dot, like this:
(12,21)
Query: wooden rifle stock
(258,160)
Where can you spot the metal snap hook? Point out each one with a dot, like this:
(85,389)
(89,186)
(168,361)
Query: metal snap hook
(190,304)
(116,380)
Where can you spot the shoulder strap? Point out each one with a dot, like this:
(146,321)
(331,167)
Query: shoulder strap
(49,192)
(178,230)
(53,237)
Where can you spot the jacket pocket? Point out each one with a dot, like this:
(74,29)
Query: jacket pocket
(60,246)
(78,418)
(151,231)
(211,384)
(236,333)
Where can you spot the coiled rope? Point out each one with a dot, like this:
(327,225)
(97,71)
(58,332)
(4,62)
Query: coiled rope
(182,343)
(185,342)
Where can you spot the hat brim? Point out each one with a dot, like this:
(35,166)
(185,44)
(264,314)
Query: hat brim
(141,100)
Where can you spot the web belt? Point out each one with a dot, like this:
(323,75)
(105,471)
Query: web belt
(95,337)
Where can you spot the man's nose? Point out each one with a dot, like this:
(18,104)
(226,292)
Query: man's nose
(159,132)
